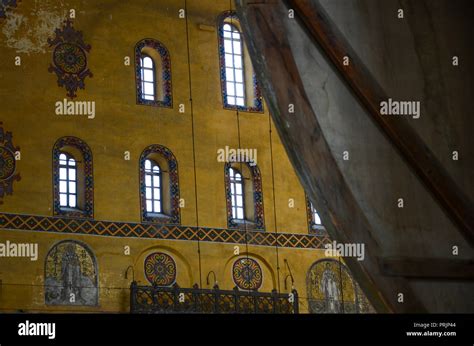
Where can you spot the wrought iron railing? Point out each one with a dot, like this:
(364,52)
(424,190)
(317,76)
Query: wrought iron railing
(154,299)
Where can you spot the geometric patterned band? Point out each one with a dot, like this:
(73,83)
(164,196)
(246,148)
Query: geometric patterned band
(154,231)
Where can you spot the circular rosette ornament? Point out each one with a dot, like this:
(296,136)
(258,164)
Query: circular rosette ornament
(160,269)
(70,58)
(7,163)
(247,274)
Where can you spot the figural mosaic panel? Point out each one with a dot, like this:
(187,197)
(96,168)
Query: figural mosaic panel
(331,289)
(71,276)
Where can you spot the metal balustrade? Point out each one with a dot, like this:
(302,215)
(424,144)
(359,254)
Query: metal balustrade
(163,300)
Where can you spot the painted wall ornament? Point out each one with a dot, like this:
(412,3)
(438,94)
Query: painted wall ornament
(160,269)
(71,275)
(6,5)
(69,58)
(8,172)
(247,274)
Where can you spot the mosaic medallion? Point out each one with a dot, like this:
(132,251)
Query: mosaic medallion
(7,163)
(160,269)
(69,58)
(247,274)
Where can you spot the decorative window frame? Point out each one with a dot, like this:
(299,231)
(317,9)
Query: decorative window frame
(164,68)
(87,171)
(259,223)
(313,228)
(257,106)
(174,217)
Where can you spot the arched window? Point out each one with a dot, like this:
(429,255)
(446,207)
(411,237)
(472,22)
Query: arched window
(153,74)
(147,77)
(315,216)
(153,187)
(159,188)
(243,185)
(240,89)
(73,181)
(237,194)
(67,181)
(234,66)
(314,220)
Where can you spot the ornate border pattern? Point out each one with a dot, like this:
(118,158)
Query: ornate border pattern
(165,70)
(160,269)
(8,172)
(152,231)
(175,211)
(259,223)
(88,187)
(247,274)
(69,58)
(258,99)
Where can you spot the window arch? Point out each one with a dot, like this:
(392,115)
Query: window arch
(153,74)
(237,194)
(240,89)
(244,197)
(315,225)
(67,181)
(153,191)
(159,188)
(73,184)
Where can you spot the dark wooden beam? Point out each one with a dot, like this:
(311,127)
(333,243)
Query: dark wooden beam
(428,268)
(412,148)
(310,154)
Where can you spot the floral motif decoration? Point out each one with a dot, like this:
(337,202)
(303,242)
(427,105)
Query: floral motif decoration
(8,172)
(160,269)
(69,58)
(247,274)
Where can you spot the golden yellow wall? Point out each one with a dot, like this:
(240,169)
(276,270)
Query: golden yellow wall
(28,94)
